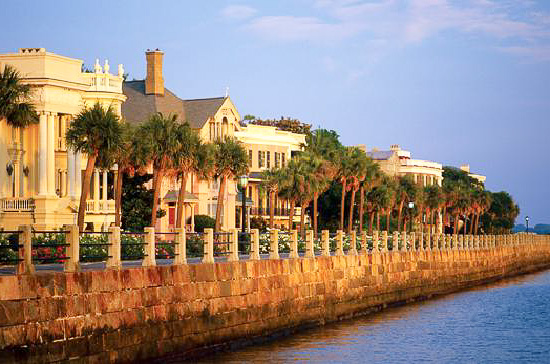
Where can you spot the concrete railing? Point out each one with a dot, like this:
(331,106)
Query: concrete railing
(340,245)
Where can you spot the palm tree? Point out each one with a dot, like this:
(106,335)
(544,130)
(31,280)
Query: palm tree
(15,105)
(379,199)
(186,158)
(159,136)
(359,162)
(406,190)
(231,160)
(348,169)
(98,133)
(290,186)
(371,178)
(270,181)
(433,197)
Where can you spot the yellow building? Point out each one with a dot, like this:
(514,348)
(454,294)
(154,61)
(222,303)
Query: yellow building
(268,147)
(479,177)
(40,180)
(398,162)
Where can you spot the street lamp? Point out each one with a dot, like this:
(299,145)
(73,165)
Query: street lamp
(243,184)
(411,207)
(527,223)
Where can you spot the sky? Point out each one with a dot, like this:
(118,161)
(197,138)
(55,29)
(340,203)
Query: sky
(455,82)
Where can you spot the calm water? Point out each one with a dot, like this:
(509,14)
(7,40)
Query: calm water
(507,322)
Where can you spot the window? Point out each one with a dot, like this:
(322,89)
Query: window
(212,210)
(250,157)
(282,159)
(277,158)
(261,159)
(268,160)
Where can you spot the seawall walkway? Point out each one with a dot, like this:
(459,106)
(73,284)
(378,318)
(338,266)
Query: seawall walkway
(121,314)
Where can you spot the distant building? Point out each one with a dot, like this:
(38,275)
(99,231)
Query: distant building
(479,177)
(40,179)
(398,162)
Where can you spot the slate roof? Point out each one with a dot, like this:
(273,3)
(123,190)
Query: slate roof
(139,106)
(172,196)
(380,155)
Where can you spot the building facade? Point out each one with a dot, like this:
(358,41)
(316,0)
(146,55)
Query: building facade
(40,179)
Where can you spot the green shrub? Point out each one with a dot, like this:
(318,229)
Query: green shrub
(204,222)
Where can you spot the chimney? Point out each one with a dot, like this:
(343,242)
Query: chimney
(154,83)
(395,147)
(465,168)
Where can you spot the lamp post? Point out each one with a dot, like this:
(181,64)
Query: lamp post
(527,223)
(411,207)
(243,184)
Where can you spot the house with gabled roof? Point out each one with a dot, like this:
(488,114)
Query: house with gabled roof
(211,118)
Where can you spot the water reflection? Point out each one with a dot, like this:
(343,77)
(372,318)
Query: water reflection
(508,321)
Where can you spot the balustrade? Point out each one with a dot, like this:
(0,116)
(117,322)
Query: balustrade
(15,204)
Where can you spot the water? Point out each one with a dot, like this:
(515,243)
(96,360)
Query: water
(506,322)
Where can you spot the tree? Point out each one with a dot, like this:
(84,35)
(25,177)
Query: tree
(500,217)
(358,166)
(159,136)
(137,202)
(231,160)
(371,178)
(186,158)
(15,96)
(433,201)
(349,168)
(270,182)
(406,190)
(97,132)
(290,187)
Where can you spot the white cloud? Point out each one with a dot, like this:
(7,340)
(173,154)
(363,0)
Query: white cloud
(238,12)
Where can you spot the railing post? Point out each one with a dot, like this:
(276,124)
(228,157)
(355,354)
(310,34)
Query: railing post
(310,252)
(255,244)
(72,237)
(24,250)
(395,241)
(404,239)
(375,242)
(233,245)
(444,242)
(364,246)
(150,255)
(274,244)
(113,250)
(455,242)
(339,243)
(385,241)
(208,246)
(413,241)
(325,238)
(421,241)
(429,241)
(294,244)
(180,246)
(353,243)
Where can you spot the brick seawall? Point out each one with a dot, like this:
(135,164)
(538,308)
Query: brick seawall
(142,313)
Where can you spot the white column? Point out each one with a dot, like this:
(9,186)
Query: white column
(96,189)
(105,189)
(63,184)
(43,155)
(192,218)
(51,154)
(71,173)
(78,174)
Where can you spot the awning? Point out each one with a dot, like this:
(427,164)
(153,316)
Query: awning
(172,196)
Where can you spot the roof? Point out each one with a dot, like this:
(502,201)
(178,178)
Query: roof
(172,196)
(139,106)
(379,155)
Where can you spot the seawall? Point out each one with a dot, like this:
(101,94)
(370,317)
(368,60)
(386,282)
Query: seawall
(137,314)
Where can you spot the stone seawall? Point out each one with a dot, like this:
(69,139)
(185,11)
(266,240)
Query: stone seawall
(150,312)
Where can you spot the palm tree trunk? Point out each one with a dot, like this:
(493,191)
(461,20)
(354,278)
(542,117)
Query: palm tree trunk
(350,219)
(271,209)
(118,197)
(361,207)
(472,223)
(371,221)
(315,198)
(388,221)
(443,215)
(157,182)
(291,215)
(181,200)
(342,205)
(455,230)
(85,190)
(305,205)
(377,221)
(219,206)
(399,215)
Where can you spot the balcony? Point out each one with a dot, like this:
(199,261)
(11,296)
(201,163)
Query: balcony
(261,211)
(100,206)
(17,204)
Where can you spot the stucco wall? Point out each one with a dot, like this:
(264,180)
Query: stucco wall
(139,313)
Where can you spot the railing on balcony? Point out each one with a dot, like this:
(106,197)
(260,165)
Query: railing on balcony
(100,206)
(263,211)
(17,204)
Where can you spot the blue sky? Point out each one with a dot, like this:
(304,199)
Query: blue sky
(464,81)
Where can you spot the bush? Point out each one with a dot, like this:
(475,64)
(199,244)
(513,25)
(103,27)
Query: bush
(204,222)
(8,248)
(256,222)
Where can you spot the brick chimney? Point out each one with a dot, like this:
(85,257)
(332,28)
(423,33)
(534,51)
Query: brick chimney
(154,83)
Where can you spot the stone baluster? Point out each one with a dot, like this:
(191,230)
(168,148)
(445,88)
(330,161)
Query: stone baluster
(364,247)
(413,242)
(421,241)
(24,250)
(149,239)
(395,241)
(385,241)
(180,246)
(353,243)
(208,246)
(72,237)
(114,248)
(404,246)
(339,243)
(375,242)
(310,249)
(461,242)
(429,241)
(455,242)
(325,241)
(293,244)
(255,244)
(274,244)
